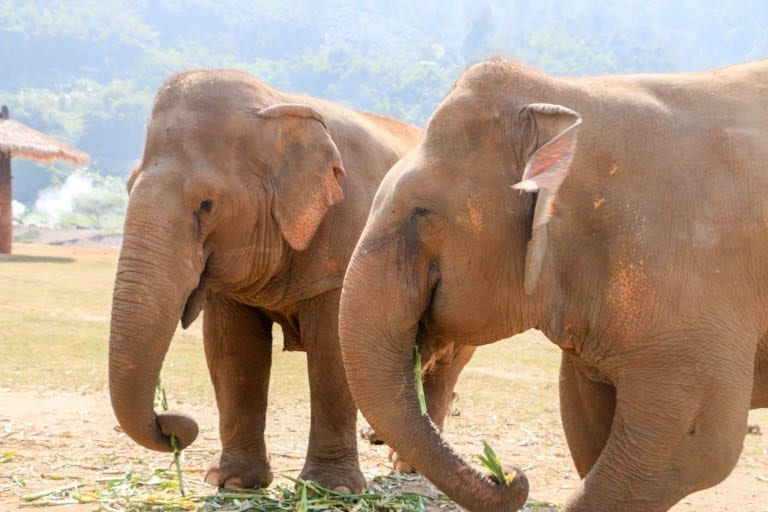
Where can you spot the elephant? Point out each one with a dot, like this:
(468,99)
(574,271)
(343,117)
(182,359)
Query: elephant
(622,216)
(246,204)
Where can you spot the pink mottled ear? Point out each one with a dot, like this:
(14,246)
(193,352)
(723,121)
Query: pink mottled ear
(305,166)
(556,129)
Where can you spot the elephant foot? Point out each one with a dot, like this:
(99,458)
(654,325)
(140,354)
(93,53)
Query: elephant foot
(335,475)
(368,434)
(399,464)
(238,473)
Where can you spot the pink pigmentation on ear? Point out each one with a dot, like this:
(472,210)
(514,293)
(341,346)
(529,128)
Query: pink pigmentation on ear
(526,186)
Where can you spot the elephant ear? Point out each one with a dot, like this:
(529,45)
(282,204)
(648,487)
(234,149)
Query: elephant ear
(305,165)
(555,132)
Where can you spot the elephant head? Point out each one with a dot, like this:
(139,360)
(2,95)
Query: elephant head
(232,179)
(451,253)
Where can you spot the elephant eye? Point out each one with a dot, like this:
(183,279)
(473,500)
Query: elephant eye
(206,205)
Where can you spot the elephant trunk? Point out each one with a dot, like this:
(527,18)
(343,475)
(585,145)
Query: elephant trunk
(377,346)
(146,306)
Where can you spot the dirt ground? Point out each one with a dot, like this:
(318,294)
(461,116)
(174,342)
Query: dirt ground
(61,438)
(49,439)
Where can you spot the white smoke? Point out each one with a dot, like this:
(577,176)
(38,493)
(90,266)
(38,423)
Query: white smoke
(55,202)
(17,209)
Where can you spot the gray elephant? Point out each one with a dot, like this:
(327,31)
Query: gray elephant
(247,203)
(641,253)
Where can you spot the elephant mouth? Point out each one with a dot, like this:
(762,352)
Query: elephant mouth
(196,300)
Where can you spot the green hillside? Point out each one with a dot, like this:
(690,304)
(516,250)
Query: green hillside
(86,70)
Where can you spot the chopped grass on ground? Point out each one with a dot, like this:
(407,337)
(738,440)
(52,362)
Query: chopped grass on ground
(160,492)
(541,505)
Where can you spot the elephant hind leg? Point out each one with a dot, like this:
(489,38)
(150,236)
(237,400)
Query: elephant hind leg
(332,449)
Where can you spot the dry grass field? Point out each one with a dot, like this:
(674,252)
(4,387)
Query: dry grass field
(57,432)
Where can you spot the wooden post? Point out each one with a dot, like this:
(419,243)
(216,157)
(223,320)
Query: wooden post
(6,211)
(6,214)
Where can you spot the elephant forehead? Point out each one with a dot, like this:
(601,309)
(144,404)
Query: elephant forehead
(400,183)
(461,126)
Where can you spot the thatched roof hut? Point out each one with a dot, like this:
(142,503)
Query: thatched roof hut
(19,140)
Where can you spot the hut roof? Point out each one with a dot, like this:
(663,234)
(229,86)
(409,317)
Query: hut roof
(20,140)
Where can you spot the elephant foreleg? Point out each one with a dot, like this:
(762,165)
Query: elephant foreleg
(678,428)
(760,385)
(332,451)
(238,348)
(586,408)
(441,379)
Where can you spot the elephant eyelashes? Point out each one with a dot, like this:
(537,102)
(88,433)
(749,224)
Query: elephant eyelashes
(206,205)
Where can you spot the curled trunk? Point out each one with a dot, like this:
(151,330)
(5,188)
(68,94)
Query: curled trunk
(147,302)
(377,346)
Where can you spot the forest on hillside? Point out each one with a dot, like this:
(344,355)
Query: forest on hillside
(86,71)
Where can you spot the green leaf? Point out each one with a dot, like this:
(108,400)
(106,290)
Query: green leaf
(303,506)
(491,462)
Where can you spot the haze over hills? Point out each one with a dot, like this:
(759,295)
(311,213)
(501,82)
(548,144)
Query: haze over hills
(86,71)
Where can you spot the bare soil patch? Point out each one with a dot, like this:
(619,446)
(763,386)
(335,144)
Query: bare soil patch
(50,438)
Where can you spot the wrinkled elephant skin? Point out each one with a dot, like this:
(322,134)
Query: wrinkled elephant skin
(626,218)
(246,204)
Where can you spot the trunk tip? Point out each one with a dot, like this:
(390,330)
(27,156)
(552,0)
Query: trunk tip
(517,488)
(178,424)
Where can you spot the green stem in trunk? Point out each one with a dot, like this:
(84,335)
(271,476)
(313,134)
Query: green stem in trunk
(419,380)
(174,442)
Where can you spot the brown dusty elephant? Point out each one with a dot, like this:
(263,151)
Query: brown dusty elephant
(648,268)
(247,203)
